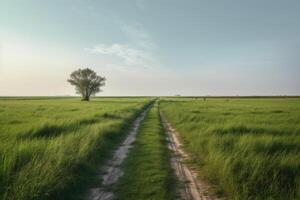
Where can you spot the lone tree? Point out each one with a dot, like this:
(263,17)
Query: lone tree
(86,82)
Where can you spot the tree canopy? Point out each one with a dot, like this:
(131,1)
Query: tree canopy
(86,82)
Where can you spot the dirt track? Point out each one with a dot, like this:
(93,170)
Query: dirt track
(192,188)
(111,172)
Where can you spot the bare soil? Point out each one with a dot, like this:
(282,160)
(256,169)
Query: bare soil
(190,186)
(111,172)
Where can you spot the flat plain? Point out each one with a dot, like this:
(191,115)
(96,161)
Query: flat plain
(243,148)
(248,148)
(48,147)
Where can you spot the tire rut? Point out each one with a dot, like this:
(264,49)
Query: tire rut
(191,188)
(111,172)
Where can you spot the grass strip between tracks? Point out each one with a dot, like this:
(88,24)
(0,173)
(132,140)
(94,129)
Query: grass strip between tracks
(147,171)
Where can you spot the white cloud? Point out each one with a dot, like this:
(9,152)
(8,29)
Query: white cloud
(139,36)
(138,51)
(130,55)
(135,32)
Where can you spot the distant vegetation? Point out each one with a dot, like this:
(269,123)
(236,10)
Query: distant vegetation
(48,147)
(249,147)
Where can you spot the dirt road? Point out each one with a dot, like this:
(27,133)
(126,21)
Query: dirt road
(192,188)
(112,171)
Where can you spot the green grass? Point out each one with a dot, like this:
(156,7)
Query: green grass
(147,171)
(248,147)
(49,147)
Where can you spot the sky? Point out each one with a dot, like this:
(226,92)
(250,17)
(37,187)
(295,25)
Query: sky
(151,47)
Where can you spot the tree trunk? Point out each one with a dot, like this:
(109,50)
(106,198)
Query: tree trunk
(85,95)
(85,98)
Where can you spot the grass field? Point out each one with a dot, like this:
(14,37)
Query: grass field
(147,171)
(49,146)
(249,147)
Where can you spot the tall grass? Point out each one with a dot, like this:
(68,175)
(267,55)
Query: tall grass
(248,147)
(47,147)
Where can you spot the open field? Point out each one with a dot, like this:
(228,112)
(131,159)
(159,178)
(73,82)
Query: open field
(249,148)
(243,148)
(48,147)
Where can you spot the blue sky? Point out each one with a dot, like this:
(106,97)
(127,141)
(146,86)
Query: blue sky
(166,47)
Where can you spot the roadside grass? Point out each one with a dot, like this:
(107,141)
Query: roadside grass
(147,171)
(248,147)
(49,148)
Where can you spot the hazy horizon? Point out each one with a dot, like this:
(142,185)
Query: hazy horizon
(151,48)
